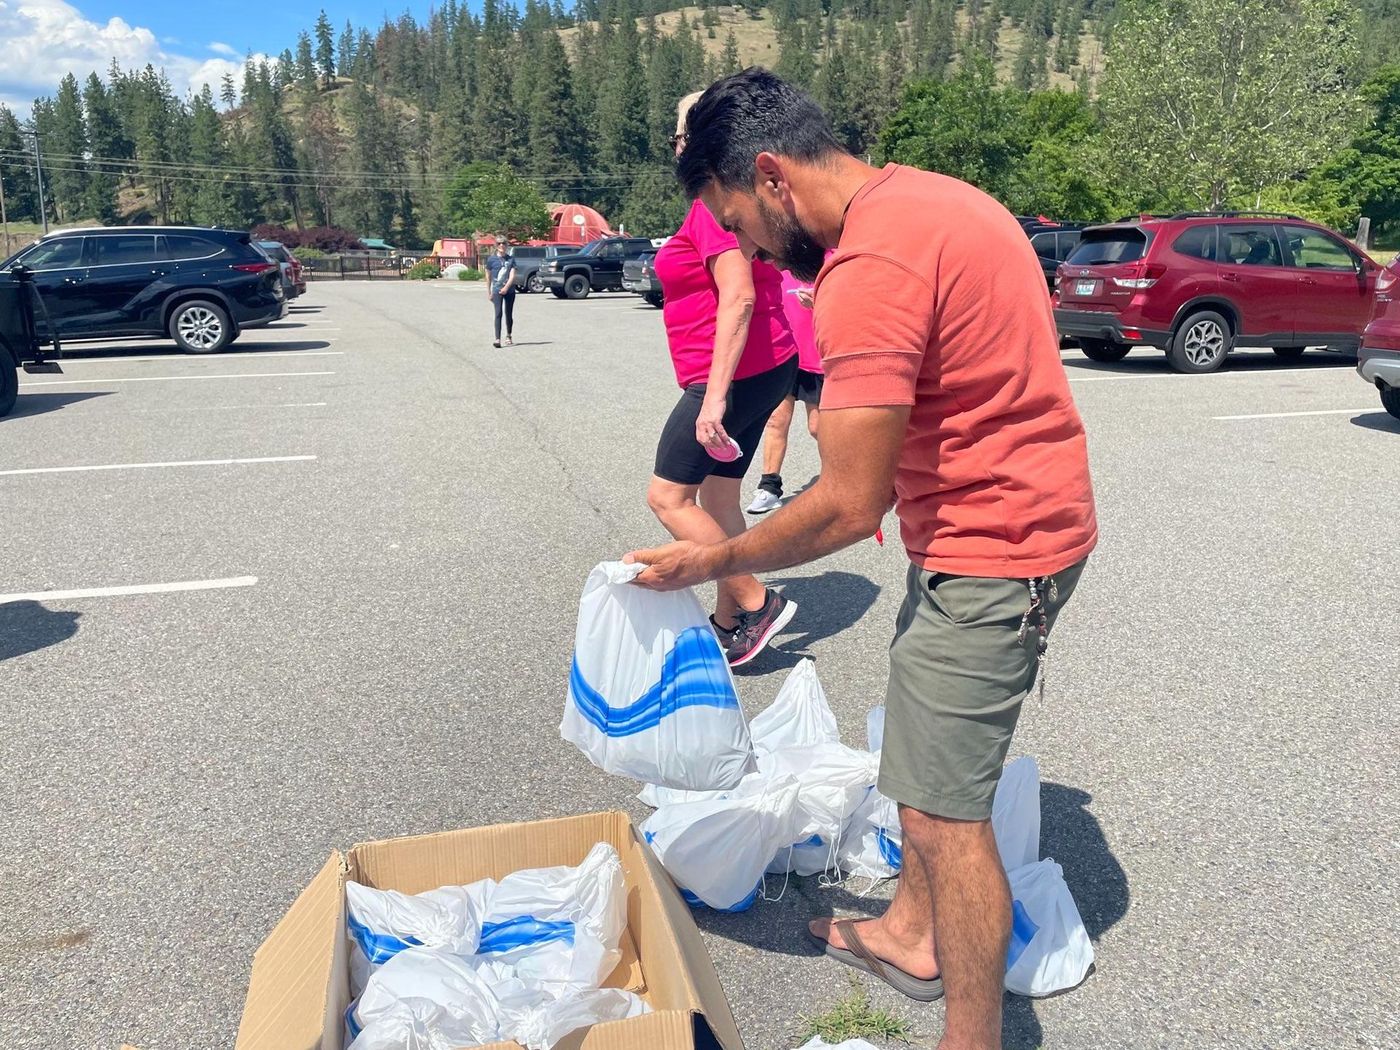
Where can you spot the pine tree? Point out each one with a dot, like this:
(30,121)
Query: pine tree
(622,110)
(557,149)
(107,145)
(208,203)
(325,49)
(664,89)
(66,144)
(21,197)
(228,94)
(729,57)
(345,52)
(306,62)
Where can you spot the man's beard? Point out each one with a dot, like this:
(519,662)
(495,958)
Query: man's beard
(798,252)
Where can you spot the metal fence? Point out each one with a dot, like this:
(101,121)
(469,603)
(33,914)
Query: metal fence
(373,268)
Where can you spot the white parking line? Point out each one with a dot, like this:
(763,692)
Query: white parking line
(157,379)
(228,408)
(148,588)
(65,361)
(148,466)
(1291,415)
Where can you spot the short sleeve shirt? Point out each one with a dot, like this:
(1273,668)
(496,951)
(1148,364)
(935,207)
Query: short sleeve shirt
(496,271)
(692,299)
(934,299)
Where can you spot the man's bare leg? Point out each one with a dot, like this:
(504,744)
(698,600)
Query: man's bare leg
(904,934)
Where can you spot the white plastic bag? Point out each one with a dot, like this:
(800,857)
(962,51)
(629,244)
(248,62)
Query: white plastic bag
(382,923)
(557,928)
(656,796)
(833,780)
(1058,953)
(541,1026)
(818,1043)
(1016,814)
(875,728)
(872,846)
(651,695)
(716,851)
(422,994)
(798,716)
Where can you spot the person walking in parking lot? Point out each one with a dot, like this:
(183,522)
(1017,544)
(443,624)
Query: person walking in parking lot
(944,386)
(500,289)
(734,358)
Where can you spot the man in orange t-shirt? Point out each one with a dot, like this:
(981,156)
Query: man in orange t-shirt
(944,387)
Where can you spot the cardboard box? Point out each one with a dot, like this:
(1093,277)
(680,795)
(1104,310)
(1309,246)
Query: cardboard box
(300,985)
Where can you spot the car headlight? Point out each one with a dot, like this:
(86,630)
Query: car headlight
(554,267)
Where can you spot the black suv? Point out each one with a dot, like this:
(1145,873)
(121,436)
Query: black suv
(198,286)
(596,267)
(1053,242)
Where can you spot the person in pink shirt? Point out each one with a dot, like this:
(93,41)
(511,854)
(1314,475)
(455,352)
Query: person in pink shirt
(735,359)
(807,388)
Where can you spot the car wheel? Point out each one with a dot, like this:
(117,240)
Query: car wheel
(656,299)
(1201,344)
(577,287)
(1390,400)
(534,284)
(9,381)
(200,327)
(558,293)
(1289,353)
(1103,350)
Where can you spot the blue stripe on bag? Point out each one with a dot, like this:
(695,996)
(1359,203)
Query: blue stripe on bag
(378,947)
(743,905)
(1023,929)
(695,673)
(890,851)
(351,1025)
(520,931)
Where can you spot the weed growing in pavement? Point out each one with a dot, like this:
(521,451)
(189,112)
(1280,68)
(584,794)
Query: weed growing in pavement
(854,1018)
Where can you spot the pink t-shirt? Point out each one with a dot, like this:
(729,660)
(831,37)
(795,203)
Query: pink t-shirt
(800,320)
(692,298)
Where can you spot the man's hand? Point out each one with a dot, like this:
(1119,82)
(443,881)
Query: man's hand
(676,565)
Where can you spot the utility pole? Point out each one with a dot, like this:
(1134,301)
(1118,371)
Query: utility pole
(4,219)
(39,174)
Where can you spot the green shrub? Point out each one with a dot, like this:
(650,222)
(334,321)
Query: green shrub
(470,275)
(427,270)
(311,253)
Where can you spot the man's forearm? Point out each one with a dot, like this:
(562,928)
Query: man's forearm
(812,526)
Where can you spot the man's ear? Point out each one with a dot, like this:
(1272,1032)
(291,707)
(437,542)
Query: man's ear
(770,178)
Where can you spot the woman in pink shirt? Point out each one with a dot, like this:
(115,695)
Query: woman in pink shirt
(735,359)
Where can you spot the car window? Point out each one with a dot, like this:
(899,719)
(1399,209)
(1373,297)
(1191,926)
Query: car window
(611,251)
(54,255)
(1101,247)
(1065,244)
(1317,251)
(641,246)
(274,251)
(124,248)
(1044,245)
(183,246)
(528,253)
(1197,242)
(1249,246)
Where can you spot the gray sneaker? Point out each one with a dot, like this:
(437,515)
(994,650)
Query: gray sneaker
(724,634)
(756,629)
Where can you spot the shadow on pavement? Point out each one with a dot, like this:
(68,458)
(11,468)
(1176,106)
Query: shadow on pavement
(1377,421)
(38,404)
(27,627)
(1072,836)
(249,346)
(826,605)
(1153,363)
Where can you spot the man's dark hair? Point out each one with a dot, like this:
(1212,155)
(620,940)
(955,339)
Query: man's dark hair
(746,114)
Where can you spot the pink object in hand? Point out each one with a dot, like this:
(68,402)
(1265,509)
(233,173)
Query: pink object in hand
(725,453)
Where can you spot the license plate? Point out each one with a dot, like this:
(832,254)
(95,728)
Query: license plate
(1085,287)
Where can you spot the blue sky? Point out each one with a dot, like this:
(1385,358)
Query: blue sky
(196,41)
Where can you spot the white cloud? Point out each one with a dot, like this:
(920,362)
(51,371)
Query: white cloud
(44,39)
(223,49)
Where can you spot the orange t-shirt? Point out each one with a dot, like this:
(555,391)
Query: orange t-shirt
(935,299)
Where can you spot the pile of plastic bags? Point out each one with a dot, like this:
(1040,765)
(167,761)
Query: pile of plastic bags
(651,697)
(522,959)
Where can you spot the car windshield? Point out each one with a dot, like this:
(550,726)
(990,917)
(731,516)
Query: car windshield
(1102,247)
(593,247)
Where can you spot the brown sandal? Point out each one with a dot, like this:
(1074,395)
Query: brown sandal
(862,958)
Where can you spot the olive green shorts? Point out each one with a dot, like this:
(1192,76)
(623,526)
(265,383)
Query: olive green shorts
(960,665)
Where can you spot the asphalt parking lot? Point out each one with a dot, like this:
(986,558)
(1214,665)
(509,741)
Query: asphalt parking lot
(379,527)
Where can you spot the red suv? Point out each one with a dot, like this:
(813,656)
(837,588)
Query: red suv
(1379,359)
(1197,285)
